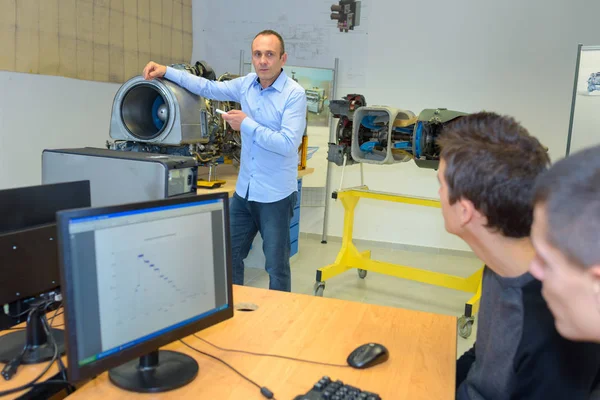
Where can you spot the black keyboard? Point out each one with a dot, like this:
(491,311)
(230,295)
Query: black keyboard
(326,389)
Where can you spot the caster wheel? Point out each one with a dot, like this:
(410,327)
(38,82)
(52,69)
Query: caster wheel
(319,289)
(362,273)
(465,326)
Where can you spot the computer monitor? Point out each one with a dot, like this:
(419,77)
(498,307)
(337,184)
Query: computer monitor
(139,276)
(31,206)
(29,263)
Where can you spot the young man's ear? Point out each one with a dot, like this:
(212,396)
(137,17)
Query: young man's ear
(594,272)
(467,211)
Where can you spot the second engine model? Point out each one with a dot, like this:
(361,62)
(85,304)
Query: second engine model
(386,135)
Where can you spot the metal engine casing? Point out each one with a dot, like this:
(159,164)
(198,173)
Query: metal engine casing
(120,177)
(340,151)
(134,114)
(388,117)
(429,126)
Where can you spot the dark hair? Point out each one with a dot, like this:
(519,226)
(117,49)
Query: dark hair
(493,161)
(271,32)
(570,192)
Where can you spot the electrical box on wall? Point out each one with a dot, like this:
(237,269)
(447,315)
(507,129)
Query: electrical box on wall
(347,14)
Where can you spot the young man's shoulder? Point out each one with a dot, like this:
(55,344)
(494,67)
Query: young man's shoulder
(544,355)
(538,323)
(519,353)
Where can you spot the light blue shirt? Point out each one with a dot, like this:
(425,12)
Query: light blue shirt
(271,132)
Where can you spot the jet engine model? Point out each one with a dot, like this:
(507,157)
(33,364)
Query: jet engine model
(159,116)
(594,82)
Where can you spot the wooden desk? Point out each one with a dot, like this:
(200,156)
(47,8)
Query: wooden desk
(26,373)
(229,173)
(422,351)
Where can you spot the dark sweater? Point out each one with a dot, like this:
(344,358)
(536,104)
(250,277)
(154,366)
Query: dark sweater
(519,353)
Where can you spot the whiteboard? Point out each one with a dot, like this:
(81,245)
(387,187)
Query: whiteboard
(584,129)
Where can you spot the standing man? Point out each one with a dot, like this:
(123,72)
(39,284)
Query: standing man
(272,122)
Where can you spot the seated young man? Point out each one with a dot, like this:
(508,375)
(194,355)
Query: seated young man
(566,237)
(488,167)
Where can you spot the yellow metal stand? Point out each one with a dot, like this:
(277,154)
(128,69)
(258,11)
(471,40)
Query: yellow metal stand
(303,150)
(349,257)
(212,182)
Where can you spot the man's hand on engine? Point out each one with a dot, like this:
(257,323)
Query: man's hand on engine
(234,118)
(153,70)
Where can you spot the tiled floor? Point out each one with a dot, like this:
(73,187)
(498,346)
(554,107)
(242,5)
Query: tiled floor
(380,289)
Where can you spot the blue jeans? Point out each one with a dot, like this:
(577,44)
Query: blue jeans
(272,220)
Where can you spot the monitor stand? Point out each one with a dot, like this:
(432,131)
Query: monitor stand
(34,339)
(148,375)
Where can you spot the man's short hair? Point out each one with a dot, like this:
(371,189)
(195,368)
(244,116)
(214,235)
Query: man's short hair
(493,161)
(570,192)
(271,32)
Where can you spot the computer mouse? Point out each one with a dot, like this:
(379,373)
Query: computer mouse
(368,355)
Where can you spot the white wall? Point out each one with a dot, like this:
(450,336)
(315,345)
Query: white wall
(42,112)
(511,57)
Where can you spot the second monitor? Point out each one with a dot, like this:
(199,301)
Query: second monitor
(29,270)
(137,277)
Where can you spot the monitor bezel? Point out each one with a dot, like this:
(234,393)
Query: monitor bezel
(78,372)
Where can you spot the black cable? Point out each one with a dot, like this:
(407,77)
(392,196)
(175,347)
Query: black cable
(31,307)
(24,327)
(263,390)
(52,340)
(11,367)
(20,314)
(56,313)
(271,355)
(61,366)
(37,378)
(50,382)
